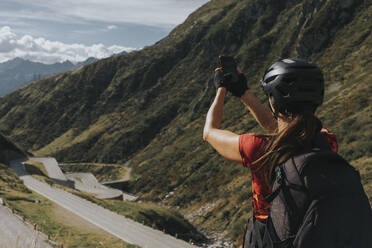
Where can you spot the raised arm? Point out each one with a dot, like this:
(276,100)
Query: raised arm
(261,113)
(225,142)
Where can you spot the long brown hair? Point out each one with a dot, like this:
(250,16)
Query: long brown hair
(299,134)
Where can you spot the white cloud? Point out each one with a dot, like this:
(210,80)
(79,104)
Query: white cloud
(112,27)
(46,51)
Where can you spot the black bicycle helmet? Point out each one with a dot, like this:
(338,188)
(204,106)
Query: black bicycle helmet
(295,84)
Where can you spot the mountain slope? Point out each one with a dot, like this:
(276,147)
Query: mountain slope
(149,106)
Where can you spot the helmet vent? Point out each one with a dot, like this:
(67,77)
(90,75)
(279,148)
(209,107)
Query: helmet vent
(271,79)
(288,61)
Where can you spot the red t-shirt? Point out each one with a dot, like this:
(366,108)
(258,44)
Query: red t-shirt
(252,148)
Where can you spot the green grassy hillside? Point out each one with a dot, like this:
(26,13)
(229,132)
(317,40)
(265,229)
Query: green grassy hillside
(148,107)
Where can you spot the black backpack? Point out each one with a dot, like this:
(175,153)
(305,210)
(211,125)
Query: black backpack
(317,201)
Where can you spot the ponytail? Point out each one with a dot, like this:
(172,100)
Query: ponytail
(298,135)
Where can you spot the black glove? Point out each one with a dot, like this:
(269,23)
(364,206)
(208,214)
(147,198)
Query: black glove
(238,87)
(229,76)
(219,79)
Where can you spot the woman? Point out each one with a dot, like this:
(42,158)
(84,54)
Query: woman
(295,89)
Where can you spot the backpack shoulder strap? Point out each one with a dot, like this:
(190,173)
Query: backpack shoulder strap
(289,198)
(281,179)
(286,187)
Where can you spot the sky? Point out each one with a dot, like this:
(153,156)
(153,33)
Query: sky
(51,31)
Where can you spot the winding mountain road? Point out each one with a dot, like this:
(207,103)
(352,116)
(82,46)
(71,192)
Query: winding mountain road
(87,182)
(119,226)
(51,166)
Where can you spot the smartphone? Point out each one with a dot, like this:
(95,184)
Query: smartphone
(229,66)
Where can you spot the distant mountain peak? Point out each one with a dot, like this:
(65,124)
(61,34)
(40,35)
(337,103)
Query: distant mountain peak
(18,59)
(18,72)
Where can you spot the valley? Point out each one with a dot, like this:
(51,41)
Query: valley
(114,224)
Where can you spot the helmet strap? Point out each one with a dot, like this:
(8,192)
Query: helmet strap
(275,113)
